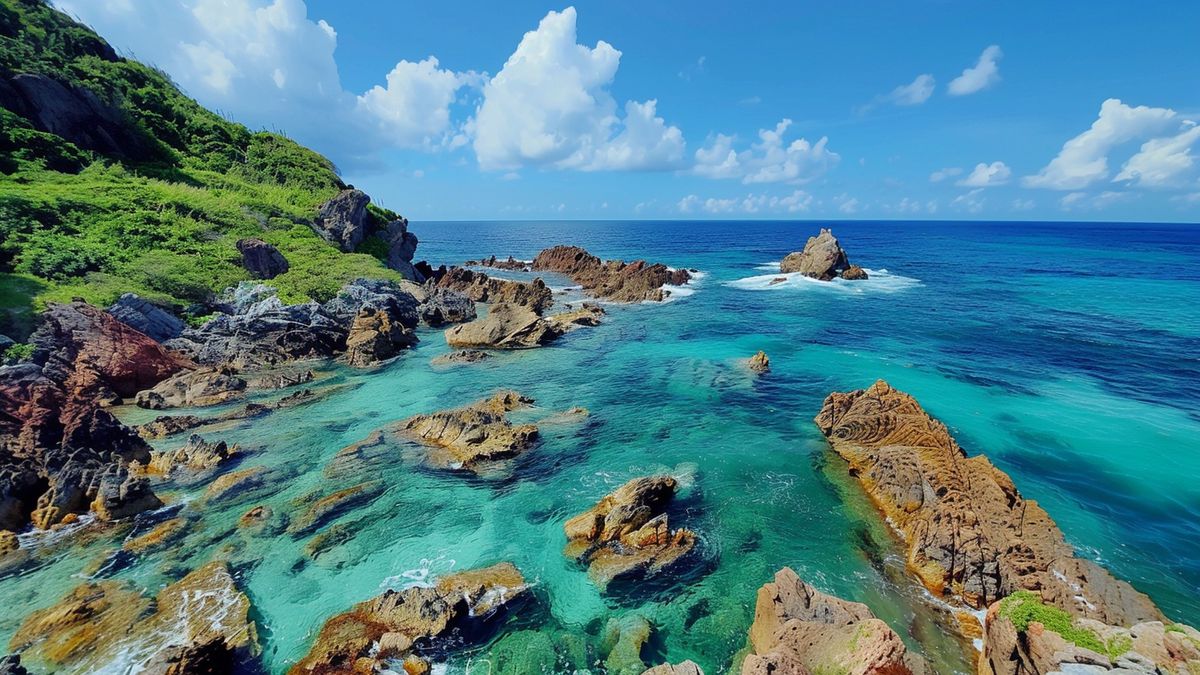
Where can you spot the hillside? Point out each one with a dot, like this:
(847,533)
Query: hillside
(113,180)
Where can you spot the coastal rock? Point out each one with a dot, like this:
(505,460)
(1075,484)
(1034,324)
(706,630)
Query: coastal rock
(759,363)
(627,532)
(461,356)
(854,273)
(506,326)
(169,425)
(261,260)
(1024,636)
(11,665)
(442,306)
(474,434)
(391,625)
(799,630)
(196,459)
(146,317)
(613,280)
(511,264)
(158,537)
(194,388)
(822,259)
(97,621)
(685,668)
(969,533)
(624,639)
(321,510)
(479,287)
(345,222)
(374,337)
(120,494)
(588,314)
(76,114)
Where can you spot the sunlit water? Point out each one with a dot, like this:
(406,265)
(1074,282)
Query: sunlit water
(1067,353)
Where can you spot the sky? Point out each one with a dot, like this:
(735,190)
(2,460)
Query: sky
(635,110)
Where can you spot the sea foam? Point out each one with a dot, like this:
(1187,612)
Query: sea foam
(878,281)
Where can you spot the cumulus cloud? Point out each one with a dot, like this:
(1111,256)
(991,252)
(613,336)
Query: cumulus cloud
(770,160)
(987,175)
(413,109)
(942,174)
(1162,162)
(980,76)
(1083,160)
(550,106)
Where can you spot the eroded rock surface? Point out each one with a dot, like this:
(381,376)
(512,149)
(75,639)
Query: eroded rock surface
(375,336)
(345,222)
(969,533)
(469,436)
(461,356)
(481,288)
(506,326)
(822,259)
(210,385)
(613,280)
(759,363)
(195,460)
(260,259)
(627,532)
(146,317)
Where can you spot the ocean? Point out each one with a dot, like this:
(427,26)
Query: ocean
(1068,353)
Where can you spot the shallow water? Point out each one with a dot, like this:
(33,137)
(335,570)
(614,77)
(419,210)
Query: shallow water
(1068,353)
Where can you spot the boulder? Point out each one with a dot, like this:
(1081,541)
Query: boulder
(822,258)
(195,460)
(209,385)
(479,287)
(442,306)
(345,222)
(460,357)
(685,668)
(854,273)
(627,532)
(969,533)
(391,626)
(375,337)
(759,363)
(146,317)
(799,630)
(475,434)
(120,494)
(512,264)
(588,314)
(506,326)
(613,280)
(261,260)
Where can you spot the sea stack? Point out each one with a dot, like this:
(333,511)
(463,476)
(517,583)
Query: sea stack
(822,259)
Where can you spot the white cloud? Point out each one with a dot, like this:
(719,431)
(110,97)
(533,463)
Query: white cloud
(1082,201)
(980,76)
(849,206)
(550,106)
(915,93)
(942,174)
(770,160)
(1023,204)
(970,202)
(1083,160)
(413,109)
(987,175)
(1162,162)
(798,201)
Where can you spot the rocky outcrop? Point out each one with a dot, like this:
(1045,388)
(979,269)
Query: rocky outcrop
(260,259)
(475,434)
(61,451)
(624,639)
(392,626)
(588,314)
(506,326)
(195,460)
(799,630)
(375,337)
(612,280)
(321,509)
(169,425)
(969,533)
(759,363)
(97,622)
(627,533)
(146,317)
(461,356)
(511,264)
(685,668)
(822,259)
(210,385)
(262,331)
(345,222)
(1026,637)
(481,288)
(442,306)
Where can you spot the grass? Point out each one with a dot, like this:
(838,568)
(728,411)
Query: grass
(1026,607)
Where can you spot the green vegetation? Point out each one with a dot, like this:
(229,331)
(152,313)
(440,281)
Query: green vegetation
(160,219)
(1026,607)
(17,352)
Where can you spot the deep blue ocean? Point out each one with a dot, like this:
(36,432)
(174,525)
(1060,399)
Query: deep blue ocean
(1068,353)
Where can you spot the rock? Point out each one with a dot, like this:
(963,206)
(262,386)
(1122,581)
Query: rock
(822,258)
(95,623)
(627,532)
(77,115)
(461,356)
(157,538)
(201,387)
(685,668)
(478,433)
(238,482)
(588,314)
(395,300)
(169,425)
(759,363)
(11,665)
(777,280)
(256,518)
(201,658)
(196,459)
(261,260)
(374,337)
(479,287)
(506,326)
(968,532)
(623,642)
(345,222)
(280,379)
(442,306)
(854,273)
(146,317)
(512,264)
(389,626)
(612,280)
(121,495)
(323,509)
(799,630)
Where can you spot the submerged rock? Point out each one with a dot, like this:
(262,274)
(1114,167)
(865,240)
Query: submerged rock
(201,387)
(685,668)
(461,356)
(969,533)
(260,259)
(627,532)
(390,626)
(798,630)
(469,436)
(759,363)
(612,280)
(624,639)
(146,317)
(588,314)
(822,259)
(321,510)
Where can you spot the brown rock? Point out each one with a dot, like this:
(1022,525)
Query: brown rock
(588,314)
(759,363)
(320,511)
(512,264)
(196,459)
(506,326)
(387,626)
(612,280)
(460,357)
(475,434)
(206,386)
(232,484)
(968,531)
(798,630)
(159,536)
(481,288)
(685,668)
(854,273)
(822,258)
(374,337)
(627,532)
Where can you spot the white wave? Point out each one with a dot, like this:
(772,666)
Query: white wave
(771,266)
(877,281)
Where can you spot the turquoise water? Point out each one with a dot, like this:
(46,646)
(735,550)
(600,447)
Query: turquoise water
(1067,353)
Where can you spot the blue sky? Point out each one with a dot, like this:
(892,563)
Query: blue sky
(871,110)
